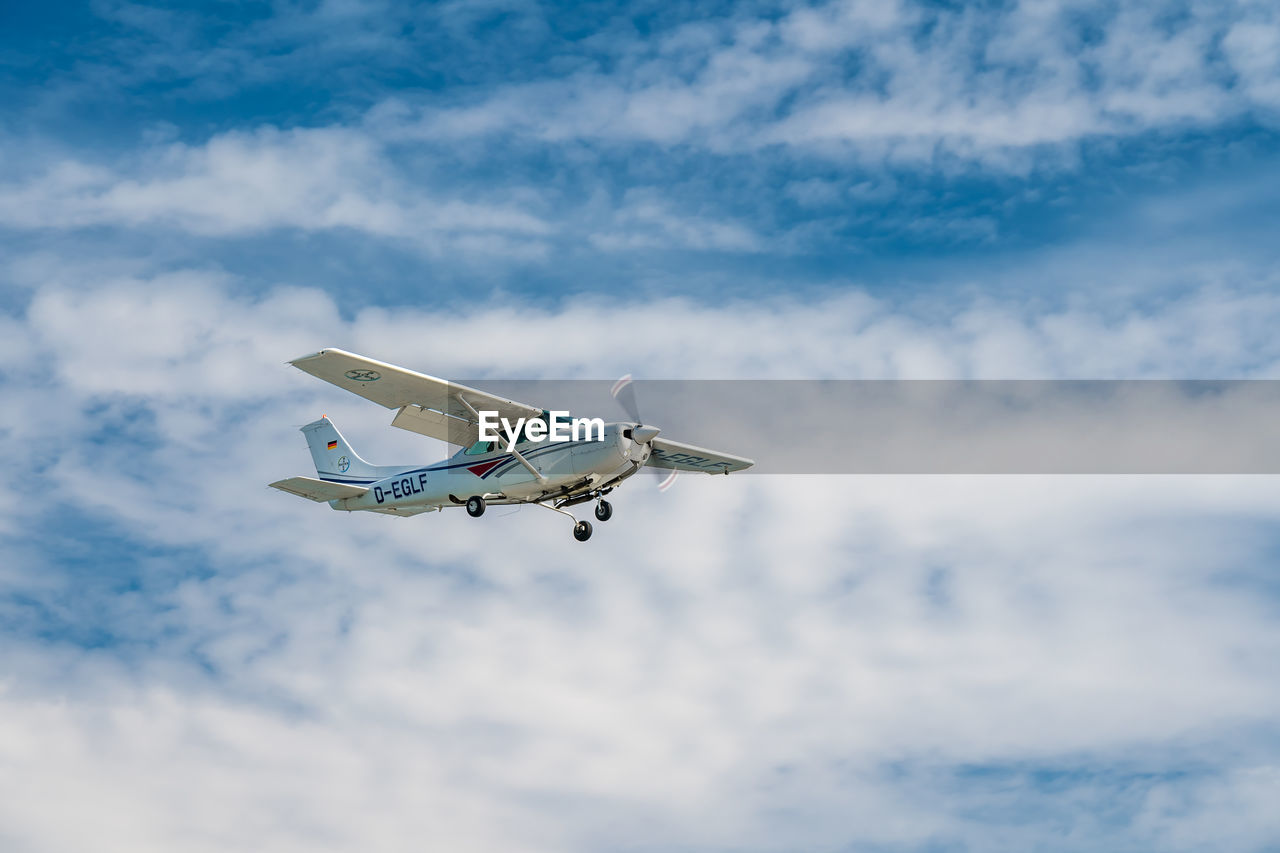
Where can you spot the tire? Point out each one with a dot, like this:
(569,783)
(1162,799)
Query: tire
(475,506)
(582,531)
(604,511)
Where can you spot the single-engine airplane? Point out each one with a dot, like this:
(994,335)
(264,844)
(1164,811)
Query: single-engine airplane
(535,466)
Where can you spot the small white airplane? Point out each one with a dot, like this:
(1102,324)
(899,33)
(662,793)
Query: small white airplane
(526,466)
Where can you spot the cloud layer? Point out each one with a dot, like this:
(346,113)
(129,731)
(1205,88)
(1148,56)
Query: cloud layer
(822,662)
(906,81)
(189,660)
(836,130)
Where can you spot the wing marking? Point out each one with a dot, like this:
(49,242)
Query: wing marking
(677,455)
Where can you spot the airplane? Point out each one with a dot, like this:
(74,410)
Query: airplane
(525,470)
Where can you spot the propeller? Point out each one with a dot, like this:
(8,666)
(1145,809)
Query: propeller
(625,393)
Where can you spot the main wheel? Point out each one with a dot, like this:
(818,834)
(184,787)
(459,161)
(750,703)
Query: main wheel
(604,511)
(475,506)
(582,531)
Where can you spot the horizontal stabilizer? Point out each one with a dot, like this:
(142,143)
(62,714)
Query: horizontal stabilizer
(320,491)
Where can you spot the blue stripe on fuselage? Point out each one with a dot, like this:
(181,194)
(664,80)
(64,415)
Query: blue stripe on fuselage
(512,462)
(447,465)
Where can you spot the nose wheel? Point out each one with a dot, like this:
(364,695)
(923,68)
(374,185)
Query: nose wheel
(581,529)
(604,511)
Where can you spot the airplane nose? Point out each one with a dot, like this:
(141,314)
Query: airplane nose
(644,434)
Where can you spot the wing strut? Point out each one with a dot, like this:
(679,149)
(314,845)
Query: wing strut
(525,462)
(470,408)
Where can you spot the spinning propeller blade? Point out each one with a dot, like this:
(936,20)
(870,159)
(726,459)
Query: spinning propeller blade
(625,393)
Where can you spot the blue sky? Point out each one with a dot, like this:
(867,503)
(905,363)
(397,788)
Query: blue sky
(191,196)
(672,148)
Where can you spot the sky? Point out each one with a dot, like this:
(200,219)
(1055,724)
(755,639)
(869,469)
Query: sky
(192,195)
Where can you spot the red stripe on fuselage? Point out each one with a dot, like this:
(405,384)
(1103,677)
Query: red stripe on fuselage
(485,467)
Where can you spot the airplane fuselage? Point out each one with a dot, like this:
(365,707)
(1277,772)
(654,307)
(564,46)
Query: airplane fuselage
(562,468)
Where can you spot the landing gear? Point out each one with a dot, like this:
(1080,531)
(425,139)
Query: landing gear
(604,511)
(475,506)
(581,529)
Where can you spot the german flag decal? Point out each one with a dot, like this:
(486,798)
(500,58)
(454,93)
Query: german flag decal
(333,445)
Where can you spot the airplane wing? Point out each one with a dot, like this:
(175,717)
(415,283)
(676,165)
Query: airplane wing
(687,457)
(319,491)
(427,405)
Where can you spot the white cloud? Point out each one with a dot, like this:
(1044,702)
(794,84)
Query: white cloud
(901,81)
(645,220)
(239,183)
(747,662)
(1012,88)
(717,658)
(1253,46)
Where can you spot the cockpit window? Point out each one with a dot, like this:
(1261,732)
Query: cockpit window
(480,447)
(524,431)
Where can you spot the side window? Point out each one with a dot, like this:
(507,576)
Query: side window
(478,448)
(524,433)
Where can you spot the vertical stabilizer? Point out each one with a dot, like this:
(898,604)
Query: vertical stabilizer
(334,458)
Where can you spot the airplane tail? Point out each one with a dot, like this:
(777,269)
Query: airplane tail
(334,458)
